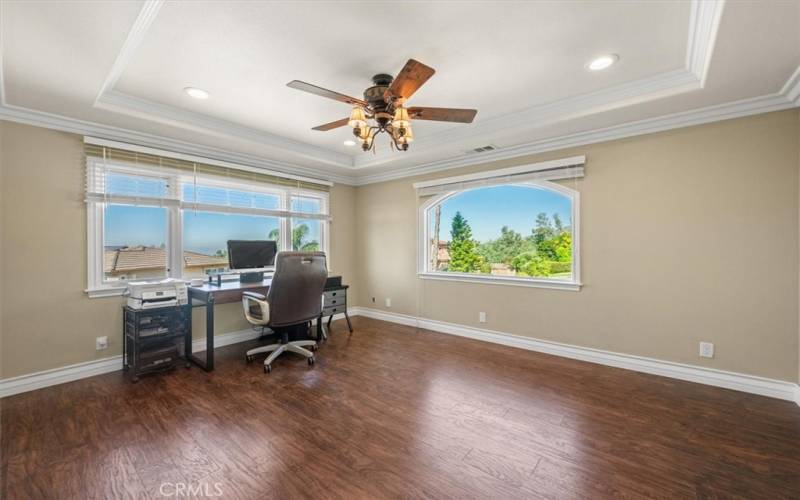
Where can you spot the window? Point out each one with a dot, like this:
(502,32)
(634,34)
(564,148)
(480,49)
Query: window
(134,242)
(151,217)
(206,235)
(521,233)
(306,233)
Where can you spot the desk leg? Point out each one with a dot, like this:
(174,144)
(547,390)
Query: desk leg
(210,334)
(187,342)
(349,325)
(208,363)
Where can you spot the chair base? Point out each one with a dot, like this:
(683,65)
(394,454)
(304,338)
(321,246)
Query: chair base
(276,350)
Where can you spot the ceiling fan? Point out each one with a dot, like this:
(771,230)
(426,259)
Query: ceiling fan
(382,109)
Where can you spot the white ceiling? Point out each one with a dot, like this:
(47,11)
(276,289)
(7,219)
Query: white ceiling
(521,64)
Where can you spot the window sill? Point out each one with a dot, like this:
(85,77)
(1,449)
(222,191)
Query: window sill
(111,291)
(503,280)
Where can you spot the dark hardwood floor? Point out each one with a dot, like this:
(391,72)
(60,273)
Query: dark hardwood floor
(391,412)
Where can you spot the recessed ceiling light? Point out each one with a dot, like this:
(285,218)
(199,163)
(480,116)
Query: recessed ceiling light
(196,93)
(602,62)
(348,142)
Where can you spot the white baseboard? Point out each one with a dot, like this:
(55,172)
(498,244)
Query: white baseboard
(46,378)
(730,380)
(224,339)
(55,376)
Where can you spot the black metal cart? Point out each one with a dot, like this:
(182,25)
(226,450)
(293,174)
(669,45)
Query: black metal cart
(154,340)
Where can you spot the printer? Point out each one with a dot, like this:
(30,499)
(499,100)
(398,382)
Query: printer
(152,294)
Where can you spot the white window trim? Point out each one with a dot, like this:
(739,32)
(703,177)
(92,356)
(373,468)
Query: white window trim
(424,237)
(98,287)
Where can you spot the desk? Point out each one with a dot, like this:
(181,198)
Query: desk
(208,295)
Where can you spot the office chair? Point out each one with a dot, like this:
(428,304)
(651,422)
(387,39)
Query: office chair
(293,300)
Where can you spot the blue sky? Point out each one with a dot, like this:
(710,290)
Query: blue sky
(203,232)
(489,209)
(206,232)
(486,210)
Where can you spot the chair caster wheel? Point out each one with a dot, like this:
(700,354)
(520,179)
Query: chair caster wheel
(311,361)
(249,359)
(313,348)
(267,368)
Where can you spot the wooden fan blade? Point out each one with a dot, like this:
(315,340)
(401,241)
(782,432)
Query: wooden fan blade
(332,125)
(409,80)
(330,94)
(443,114)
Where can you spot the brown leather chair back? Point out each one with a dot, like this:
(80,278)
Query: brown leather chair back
(295,295)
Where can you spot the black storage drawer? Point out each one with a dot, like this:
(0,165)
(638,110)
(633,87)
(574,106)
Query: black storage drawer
(154,339)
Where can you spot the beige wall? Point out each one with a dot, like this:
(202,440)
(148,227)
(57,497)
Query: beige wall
(687,235)
(47,320)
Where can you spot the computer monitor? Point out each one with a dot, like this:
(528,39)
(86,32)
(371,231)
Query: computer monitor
(251,254)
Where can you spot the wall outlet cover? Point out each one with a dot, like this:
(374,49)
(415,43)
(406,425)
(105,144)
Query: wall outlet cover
(706,350)
(482,317)
(101,343)
(388,302)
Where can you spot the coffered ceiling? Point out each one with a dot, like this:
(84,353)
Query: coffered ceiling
(118,70)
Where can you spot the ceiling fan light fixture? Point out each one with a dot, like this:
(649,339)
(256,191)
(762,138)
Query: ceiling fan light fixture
(358,119)
(406,137)
(381,110)
(602,62)
(401,119)
(368,136)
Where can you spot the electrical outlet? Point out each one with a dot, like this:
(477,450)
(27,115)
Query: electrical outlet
(101,343)
(388,302)
(482,317)
(373,300)
(706,350)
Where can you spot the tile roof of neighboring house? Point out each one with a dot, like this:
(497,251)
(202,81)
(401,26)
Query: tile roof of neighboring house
(141,257)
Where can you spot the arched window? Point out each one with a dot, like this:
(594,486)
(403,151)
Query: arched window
(523,233)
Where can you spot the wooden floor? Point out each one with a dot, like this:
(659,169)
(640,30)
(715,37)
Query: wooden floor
(393,412)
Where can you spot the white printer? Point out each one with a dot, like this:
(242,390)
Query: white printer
(152,294)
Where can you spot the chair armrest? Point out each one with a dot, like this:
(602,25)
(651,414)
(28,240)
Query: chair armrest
(254,295)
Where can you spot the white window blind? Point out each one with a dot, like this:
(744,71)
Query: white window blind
(129,177)
(566,168)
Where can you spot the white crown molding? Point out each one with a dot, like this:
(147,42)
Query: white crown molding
(791,89)
(763,386)
(704,19)
(135,37)
(114,101)
(746,107)
(170,115)
(65,124)
(646,89)
(704,22)
(2,81)
(788,96)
